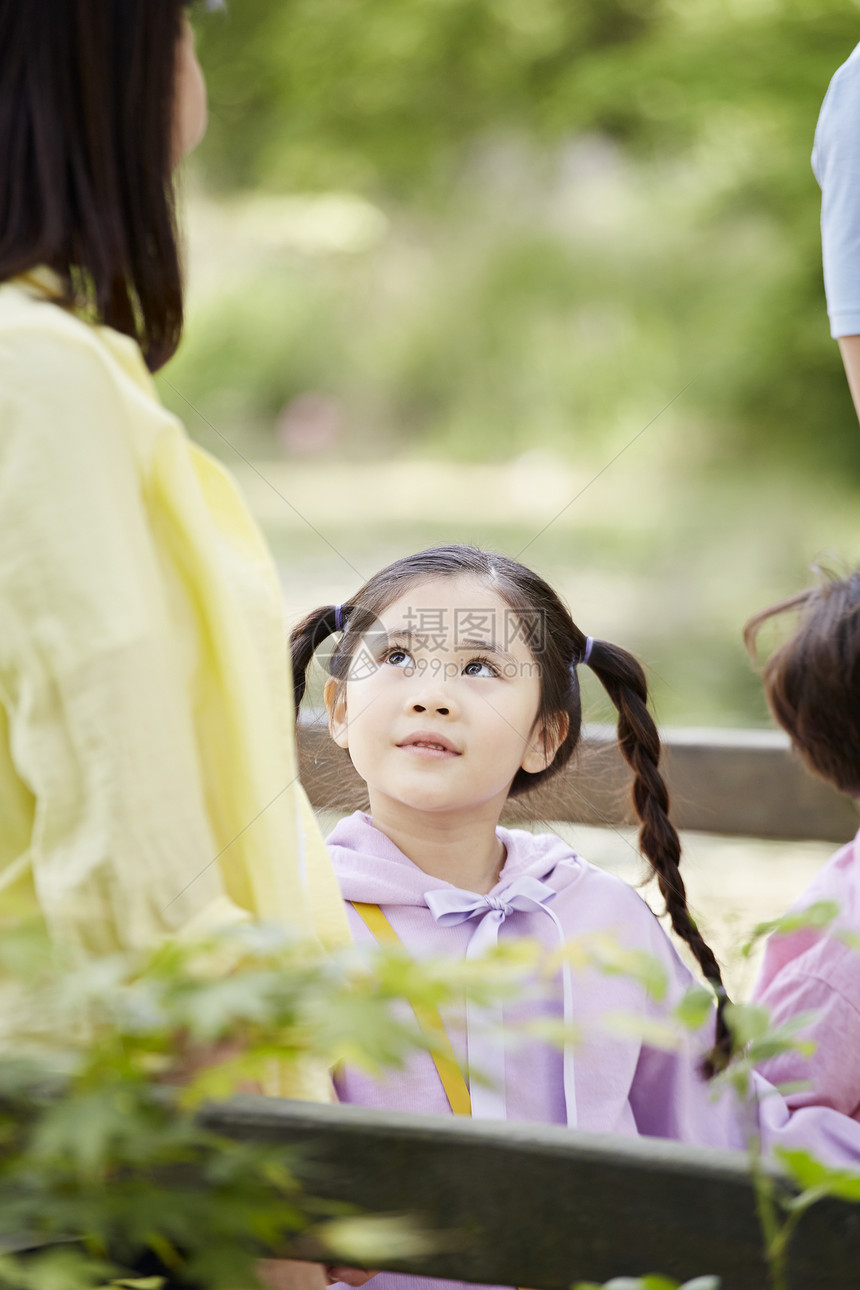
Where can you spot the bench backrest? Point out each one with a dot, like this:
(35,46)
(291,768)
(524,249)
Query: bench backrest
(539,1206)
(744,782)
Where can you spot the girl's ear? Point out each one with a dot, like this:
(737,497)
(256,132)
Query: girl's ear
(335,704)
(546,739)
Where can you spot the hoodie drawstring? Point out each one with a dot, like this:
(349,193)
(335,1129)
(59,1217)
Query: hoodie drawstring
(485,1025)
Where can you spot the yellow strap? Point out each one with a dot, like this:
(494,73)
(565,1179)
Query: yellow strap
(455,1086)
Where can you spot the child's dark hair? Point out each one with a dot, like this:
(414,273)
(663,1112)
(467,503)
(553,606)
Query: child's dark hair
(86,115)
(812,682)
(560,648)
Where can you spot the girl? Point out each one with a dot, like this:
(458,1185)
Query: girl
(147,763)
(812,685)
(455,684)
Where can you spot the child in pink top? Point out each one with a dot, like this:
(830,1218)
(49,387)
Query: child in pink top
(812,683)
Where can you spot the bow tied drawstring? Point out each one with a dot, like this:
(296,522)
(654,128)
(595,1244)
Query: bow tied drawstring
(484,1025)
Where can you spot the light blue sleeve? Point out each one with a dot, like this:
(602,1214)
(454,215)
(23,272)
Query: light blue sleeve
(836,163)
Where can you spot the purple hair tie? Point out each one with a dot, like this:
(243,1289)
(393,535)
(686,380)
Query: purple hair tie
(589,643)
(338,618)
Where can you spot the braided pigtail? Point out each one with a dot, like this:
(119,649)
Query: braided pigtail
(624,681)
(305,640)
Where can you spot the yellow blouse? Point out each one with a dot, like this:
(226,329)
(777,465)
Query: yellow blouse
(148,778)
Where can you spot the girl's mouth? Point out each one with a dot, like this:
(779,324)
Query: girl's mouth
(428,746)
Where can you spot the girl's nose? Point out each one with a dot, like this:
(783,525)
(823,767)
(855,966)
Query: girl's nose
(431,691)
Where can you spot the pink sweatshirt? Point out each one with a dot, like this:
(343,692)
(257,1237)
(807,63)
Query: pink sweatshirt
(814,971)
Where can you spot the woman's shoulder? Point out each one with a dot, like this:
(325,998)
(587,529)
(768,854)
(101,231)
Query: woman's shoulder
(49,352)
(69,387)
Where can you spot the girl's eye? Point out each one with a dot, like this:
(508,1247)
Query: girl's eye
(479,667)
(399,658)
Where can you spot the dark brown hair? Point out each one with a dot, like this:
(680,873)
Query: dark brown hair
(86,117)
(812,682)
(559,651)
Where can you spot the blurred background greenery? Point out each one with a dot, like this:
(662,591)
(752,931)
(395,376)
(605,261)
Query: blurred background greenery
(540,274)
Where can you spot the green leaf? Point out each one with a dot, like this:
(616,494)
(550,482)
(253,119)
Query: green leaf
(760,1038)
(367,1241)
(762,1050)
(139,1283)
(649,1282)
(791,1086)
(747,1021)
(851,939)
(64,1267)
(810,1174)
(552,1030)
(658,1032)
(607,955)
(695,1007)
(815,917)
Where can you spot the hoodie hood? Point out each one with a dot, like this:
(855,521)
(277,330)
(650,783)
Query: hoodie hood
(370,868)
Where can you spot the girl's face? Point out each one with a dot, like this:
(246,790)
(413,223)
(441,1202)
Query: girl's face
(441,707)
(189,104)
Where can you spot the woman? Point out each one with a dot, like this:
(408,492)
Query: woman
(148,777)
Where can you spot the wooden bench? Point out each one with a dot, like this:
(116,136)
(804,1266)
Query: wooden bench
(540,1206)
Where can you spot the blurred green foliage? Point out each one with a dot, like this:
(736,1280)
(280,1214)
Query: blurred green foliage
(102,1166)
(391,95)
(584,207)
(526,231)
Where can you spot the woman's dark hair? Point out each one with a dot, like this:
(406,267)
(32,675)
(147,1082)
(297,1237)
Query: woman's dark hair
(558,646)
(812,682)
(86,116)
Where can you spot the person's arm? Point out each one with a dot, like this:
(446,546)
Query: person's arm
(831,1072)
(836,163)
(849,347)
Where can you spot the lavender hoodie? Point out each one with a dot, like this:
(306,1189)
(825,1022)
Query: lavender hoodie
(622,1085)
